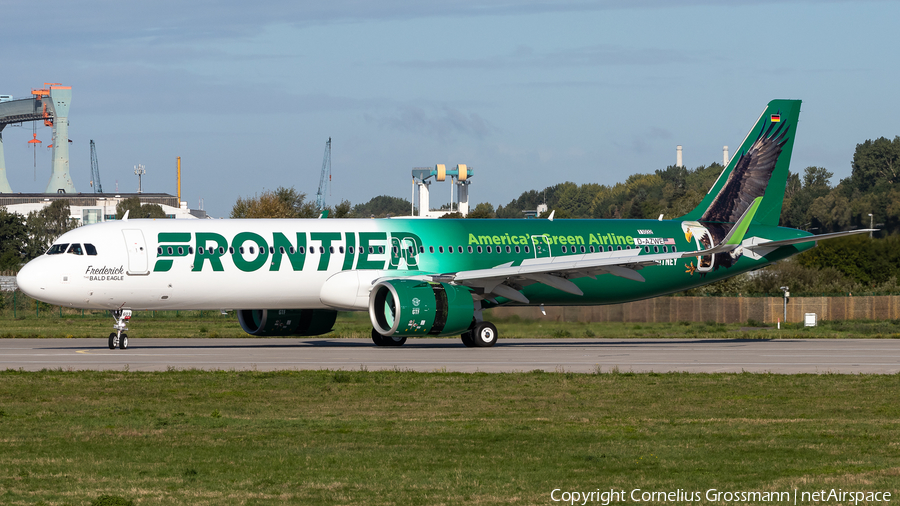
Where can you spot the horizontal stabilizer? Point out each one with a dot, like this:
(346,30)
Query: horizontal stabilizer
(809,238)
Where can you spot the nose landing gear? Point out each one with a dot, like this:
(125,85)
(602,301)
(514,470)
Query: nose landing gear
(119,337)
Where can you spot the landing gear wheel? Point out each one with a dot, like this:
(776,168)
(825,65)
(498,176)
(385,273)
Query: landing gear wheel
(484,334)
(123,342)
(378,339)
(112,341)
(394,340)
(467,339)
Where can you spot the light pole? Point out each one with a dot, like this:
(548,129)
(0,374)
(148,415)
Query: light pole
(871,222)
(139,171)
(786,295)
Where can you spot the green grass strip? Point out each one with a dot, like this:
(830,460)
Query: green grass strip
(379,438)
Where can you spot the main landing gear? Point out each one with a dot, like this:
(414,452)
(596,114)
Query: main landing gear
(381,340)
(481,335)
(119,337)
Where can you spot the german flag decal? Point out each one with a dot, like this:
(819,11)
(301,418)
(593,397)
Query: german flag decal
(775,118)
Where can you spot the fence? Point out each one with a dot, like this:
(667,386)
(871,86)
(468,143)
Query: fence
(718,309)
(661,309)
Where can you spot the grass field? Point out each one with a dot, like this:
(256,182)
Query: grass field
(379,438)
(212,324)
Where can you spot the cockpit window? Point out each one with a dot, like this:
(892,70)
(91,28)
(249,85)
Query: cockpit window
(75,249)
(56,249)
(90,249)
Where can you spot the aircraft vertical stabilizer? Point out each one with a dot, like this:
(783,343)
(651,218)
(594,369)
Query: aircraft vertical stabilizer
(759,168)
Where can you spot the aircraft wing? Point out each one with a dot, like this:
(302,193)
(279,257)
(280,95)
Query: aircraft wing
(506,280)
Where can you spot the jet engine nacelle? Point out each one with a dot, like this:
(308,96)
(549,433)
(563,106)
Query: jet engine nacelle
(404,307)
(286,322)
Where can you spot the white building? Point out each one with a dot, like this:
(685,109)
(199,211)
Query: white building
(88,208)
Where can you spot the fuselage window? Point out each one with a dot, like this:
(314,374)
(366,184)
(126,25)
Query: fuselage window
(341,249)
(412,250)
(421,249)
(301,250)
(190,250)
(222,250)
(272,250)
(394,249)
(199,250)
(431,249)
(665,249)
(381,249)
(673,249)
(180,251)
(646,249)
(508,249)
(527,249)
(281,250)
(656,249)
(470,249)
(582,249)
(371,250)
(619,248)
(440,249)
(56,249)
(592,249)
(479,249)
(489,249)
(241,250)
(252,252)
(291,250)
(322,250)
(517,249)
(159,250)
(230,250)
(331,249)
(564,249)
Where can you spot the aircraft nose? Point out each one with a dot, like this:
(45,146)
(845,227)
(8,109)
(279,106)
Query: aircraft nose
(32,279)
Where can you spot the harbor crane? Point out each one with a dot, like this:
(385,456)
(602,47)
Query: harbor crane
(326,169)
(95,170)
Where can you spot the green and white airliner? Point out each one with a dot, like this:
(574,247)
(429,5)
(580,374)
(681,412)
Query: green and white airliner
(421,277)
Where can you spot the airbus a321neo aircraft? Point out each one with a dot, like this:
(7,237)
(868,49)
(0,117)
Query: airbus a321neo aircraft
(420,277)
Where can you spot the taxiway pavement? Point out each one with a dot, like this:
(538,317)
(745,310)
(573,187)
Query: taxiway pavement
(879,356)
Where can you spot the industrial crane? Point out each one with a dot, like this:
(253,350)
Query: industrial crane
(326,169)
(95,170)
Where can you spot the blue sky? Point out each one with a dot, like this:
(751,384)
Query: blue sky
(528,93)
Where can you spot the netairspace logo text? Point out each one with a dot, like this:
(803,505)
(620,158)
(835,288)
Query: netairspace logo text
(606,497)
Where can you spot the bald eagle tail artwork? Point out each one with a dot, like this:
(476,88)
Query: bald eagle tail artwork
(758,169)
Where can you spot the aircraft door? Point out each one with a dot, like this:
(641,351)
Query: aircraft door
(541,244)
(137,252)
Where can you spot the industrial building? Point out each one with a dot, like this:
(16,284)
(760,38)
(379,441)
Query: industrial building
(89,208)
